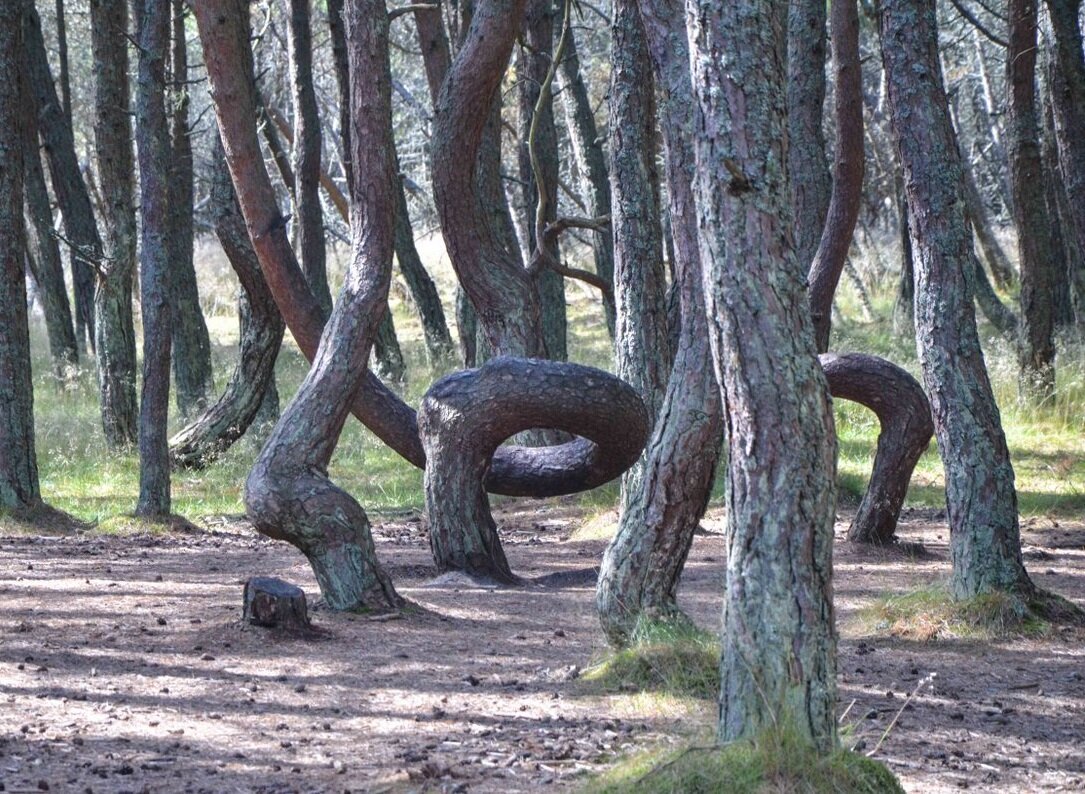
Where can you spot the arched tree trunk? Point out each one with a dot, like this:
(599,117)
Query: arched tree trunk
(288,494)
(778,668)
(192,368)
(985,541)
(591,164)
(642,565)
(153,147)
(515,471)
(19,489)
(466,415)
(493,275)
(212,433)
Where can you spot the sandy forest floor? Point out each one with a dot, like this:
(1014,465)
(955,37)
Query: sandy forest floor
(124,667)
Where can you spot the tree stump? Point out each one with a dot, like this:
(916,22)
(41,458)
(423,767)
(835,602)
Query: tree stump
(275,604)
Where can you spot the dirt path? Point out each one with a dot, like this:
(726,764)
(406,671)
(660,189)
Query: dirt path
(123,667)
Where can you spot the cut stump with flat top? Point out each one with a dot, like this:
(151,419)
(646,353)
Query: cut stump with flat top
(275,604)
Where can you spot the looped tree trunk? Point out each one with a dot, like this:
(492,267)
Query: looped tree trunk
(466,415)
(906,428)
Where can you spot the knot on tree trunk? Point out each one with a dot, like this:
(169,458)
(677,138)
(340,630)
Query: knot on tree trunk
(465,416)
(904,412)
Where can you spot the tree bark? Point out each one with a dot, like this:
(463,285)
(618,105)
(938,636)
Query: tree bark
(778,669)
(591,163)
(642,565)
(69,188)
(115,336)
(516,471)
(153,150)
(985,543)
(389,358)
(465,416)
(192,369)
(306,155)
(847,183)
(1037,342)
(19,489)
(996,258)
(493,275)
(807,162)
(288,493)
(49,271)
(223,423)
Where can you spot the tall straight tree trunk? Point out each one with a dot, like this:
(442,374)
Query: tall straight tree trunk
(306,154)
(115,335)
(642,565)
(62,58)
(69,188)
(807,162)
(532,66)
(49,272)
(212,433)
(778,668)
(1034,247)
(1065,257)
(985,542)
(591,163)
(19,489)
(192,367)
(153,145)
(288,493)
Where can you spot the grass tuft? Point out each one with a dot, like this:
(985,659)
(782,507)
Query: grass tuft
(931,613)
(774,763)
(671,657)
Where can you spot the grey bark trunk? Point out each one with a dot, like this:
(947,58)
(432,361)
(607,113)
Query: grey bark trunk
(591,164)
(223,423)
(642,565)
(115,339)
(288,494)
(778,668)
(153,148)
(192,367)
(19,488)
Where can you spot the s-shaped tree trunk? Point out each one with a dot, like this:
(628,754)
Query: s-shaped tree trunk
(288,494)
(778,668)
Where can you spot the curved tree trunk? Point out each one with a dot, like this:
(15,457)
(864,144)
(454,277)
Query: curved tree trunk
(778,668)
(515,471)
(811,184)
(591,163)
(492,274)
(70,191)
(19,489)
(389,358)
(288,494)
(642,565)
(153,148)
(306,155)
(847,184)
(985,542)
(465,416)
(1037,342)
(212,433)
(996,257)
(192,368)
(49,273)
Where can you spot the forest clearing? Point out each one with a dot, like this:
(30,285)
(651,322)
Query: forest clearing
(508,395)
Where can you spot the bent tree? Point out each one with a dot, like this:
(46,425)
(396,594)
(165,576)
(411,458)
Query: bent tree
(288,493)
(985,541)
(778,667)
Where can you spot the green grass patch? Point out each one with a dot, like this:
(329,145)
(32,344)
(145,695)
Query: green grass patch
(931,613)
(673,658)
(775,763)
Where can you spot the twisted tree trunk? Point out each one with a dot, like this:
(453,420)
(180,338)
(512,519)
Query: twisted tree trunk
(288,494)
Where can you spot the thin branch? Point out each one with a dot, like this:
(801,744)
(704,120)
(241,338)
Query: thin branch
(396,13)
(963,10)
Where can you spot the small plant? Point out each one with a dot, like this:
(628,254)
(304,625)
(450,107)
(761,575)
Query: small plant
(671,657)
(931,613)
